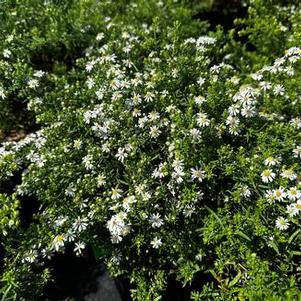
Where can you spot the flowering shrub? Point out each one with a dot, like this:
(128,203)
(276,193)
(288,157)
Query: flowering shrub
(168,153)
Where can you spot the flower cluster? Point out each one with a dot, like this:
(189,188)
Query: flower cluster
(164,149)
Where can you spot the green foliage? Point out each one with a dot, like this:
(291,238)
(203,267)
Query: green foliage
(170,150)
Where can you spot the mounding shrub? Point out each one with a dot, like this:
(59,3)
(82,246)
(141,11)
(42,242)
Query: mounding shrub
(172,151)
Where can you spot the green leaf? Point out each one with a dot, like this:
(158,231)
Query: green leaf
(274,246)
(293,236)
(215,215)
(235,280)
(243,235)
(296,253)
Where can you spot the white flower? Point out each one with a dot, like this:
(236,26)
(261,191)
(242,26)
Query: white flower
(288,174)
(291,210)
(279,194)
(154,132)
(101,180)
(298,205)
(100,36)
(265,86)
(197,173)
(232,121)
(128,201)
(58,242)
(178,174)
(116,193)
(233,110)
(202,120)
(177,164)
(2,94)
(199,100)
(158,172)
(296,122)
(89,66)
(156,220)
(70,191)
(270,196)
(248,111)
(6,53)
(297,152)
(189,210)
(77,144)
(33,83)
(118,227)
(38,73)
(60,221)
(70,236)
(79,247)
(245,191)
(121,154)
(195,133)
(31,256)
(156,243)
(201,81)
(267,176)
(47,253)
(90,83)
(80,224)
(282,223)
(293,193)
(278,90)
(271,161)
(87,160)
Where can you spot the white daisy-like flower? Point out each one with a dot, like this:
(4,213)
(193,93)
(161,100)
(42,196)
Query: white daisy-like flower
(31,256)
(265,86)
(291,210)
(202,120)
(90,83)
(80,224)
(232,121)
(288,174)
(79,247)
(77,144)
(199,100)
(156,220)
(293,193)
(58,242)
(116,193)
(154,131)
(248,111)
(279,194)
(279,90)
(33,83)
(233,110)
(245,191)
(189,210)
(298,205)
(101,180)
(271,161)
(2,94)
(297,152)
(6,53)
(38,73)
(100,36)
(121,154)
(70,235)
(282,223)
(156,243)
(270,196)
(197,174)
(267,176)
